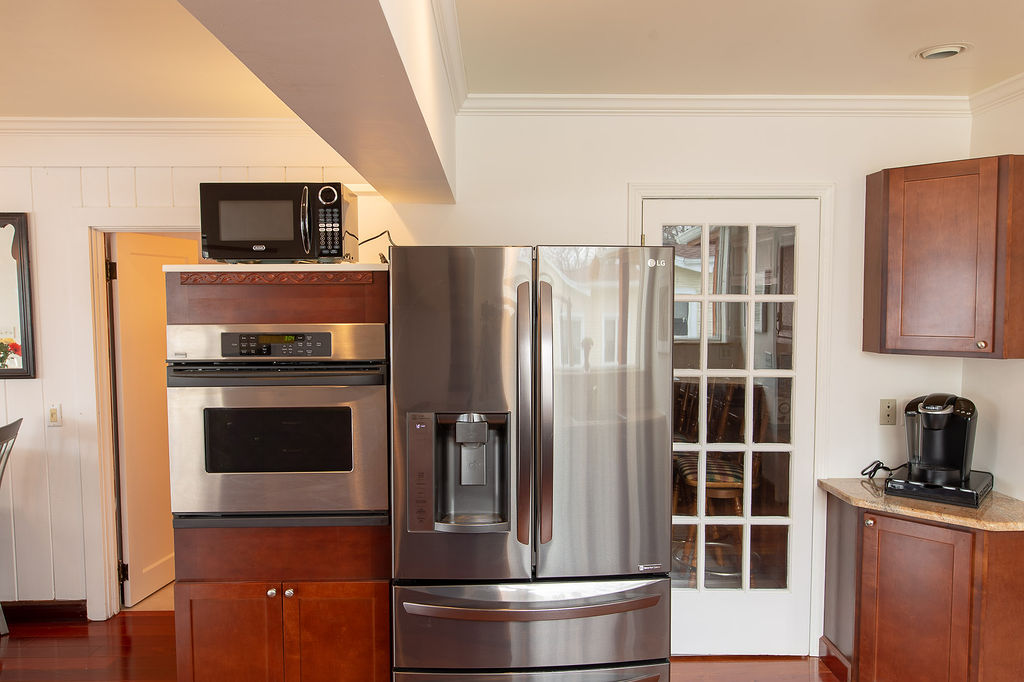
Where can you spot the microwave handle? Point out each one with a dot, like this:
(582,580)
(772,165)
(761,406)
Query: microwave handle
(304,219)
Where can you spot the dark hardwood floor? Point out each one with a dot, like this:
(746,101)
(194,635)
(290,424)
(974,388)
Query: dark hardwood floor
(139,647)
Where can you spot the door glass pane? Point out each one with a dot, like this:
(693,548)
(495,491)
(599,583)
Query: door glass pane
(687,242)
(723,557)
(725,409)
(686,335)
(727,259)
(769,551)
(686,409)
(724,486)
(772,398)
(684,483)
(769,480)
(684,556)
(773,335)
(773,265)
(727,336)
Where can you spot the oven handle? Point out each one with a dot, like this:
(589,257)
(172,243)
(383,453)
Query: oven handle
(183,377)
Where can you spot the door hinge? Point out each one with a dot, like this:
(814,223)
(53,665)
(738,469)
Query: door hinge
(111,270)
(122,571)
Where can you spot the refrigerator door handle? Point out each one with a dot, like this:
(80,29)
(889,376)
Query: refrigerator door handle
(547,406)
(489,611)
(524,349)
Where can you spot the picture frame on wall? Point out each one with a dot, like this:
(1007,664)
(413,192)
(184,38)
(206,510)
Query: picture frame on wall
(17,347)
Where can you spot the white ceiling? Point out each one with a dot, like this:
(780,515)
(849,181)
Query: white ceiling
(151,58)
(737,47)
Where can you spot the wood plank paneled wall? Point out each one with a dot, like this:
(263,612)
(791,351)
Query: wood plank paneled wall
(49,502)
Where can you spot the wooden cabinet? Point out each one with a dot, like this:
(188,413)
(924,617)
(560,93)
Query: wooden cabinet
(292,604)
(944,259)
(291,631)
(914,601)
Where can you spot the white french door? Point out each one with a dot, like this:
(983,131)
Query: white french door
(744,356)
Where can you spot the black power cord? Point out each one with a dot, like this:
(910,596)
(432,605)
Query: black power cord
(873,468)
(391,241)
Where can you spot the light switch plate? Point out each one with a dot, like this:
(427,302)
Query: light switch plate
(54,415)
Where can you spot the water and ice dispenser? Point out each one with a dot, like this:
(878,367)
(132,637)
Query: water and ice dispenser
(459,472)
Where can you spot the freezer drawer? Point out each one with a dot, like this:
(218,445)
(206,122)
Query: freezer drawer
(531,625)
(632,673)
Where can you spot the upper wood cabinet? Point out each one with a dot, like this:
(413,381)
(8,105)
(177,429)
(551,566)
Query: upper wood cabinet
(944,259)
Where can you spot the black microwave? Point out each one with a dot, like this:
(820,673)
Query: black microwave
(276,221)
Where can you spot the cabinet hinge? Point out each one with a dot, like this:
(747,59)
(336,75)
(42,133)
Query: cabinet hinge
(122,571)
(111,270)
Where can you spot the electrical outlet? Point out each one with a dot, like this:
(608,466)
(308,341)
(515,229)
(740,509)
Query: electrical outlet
(54,416)
(887,412)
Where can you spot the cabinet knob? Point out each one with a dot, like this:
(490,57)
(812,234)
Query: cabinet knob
(869,522)
(289,593)
(982,344)
(272,593)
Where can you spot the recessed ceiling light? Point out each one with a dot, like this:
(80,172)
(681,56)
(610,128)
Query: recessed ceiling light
(942,51)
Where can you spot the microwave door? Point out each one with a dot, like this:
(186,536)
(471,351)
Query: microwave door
(604,406)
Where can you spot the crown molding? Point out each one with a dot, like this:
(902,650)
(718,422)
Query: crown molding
(715,105)
(447,21)
(256,127)
(998,95)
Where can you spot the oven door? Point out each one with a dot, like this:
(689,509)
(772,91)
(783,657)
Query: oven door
(252,441)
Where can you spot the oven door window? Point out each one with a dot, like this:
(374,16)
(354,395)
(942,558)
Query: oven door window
(278,439)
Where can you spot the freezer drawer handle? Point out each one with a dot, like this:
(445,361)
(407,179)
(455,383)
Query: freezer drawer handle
(486,612)
(647,678)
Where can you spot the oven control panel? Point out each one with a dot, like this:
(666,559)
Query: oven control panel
(276,345)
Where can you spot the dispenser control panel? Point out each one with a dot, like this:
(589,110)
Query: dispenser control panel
(276,345)
(421,471)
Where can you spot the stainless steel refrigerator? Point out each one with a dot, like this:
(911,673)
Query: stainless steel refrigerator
(531,453)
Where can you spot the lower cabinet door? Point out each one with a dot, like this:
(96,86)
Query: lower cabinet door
(228,632)
(336,631)
(915,602)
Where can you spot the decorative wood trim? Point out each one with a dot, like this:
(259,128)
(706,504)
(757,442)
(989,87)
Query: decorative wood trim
(277,278)
(1000,94)
(715,105)
(259,127)
(451,50)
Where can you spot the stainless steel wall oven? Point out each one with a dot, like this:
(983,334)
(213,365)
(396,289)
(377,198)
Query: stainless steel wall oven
(277,419)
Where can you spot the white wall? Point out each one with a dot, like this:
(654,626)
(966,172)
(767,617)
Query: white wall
(53,522)
(995,385)
(522,179)
(563,179)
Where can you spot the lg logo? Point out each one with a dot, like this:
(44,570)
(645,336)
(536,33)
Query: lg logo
(259,247)
(655,263)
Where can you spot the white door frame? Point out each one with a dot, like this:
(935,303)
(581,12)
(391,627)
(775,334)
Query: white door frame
(102,590)
(825,194)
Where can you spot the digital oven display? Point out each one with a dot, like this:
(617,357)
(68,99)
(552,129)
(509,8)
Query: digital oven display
(275,338)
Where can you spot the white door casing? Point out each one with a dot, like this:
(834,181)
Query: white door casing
(718,611)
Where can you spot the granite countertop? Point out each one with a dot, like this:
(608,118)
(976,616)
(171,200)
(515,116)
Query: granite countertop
(997,512)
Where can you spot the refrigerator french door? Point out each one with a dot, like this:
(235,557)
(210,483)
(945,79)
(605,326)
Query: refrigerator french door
(531,394)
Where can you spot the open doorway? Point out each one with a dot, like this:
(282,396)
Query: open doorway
(137,343)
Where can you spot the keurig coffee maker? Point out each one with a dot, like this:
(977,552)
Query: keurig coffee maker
(940,447)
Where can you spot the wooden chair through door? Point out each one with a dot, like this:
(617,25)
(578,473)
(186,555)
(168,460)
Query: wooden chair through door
(7,435)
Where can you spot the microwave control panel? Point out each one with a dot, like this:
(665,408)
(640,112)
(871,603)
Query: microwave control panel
(276,345)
